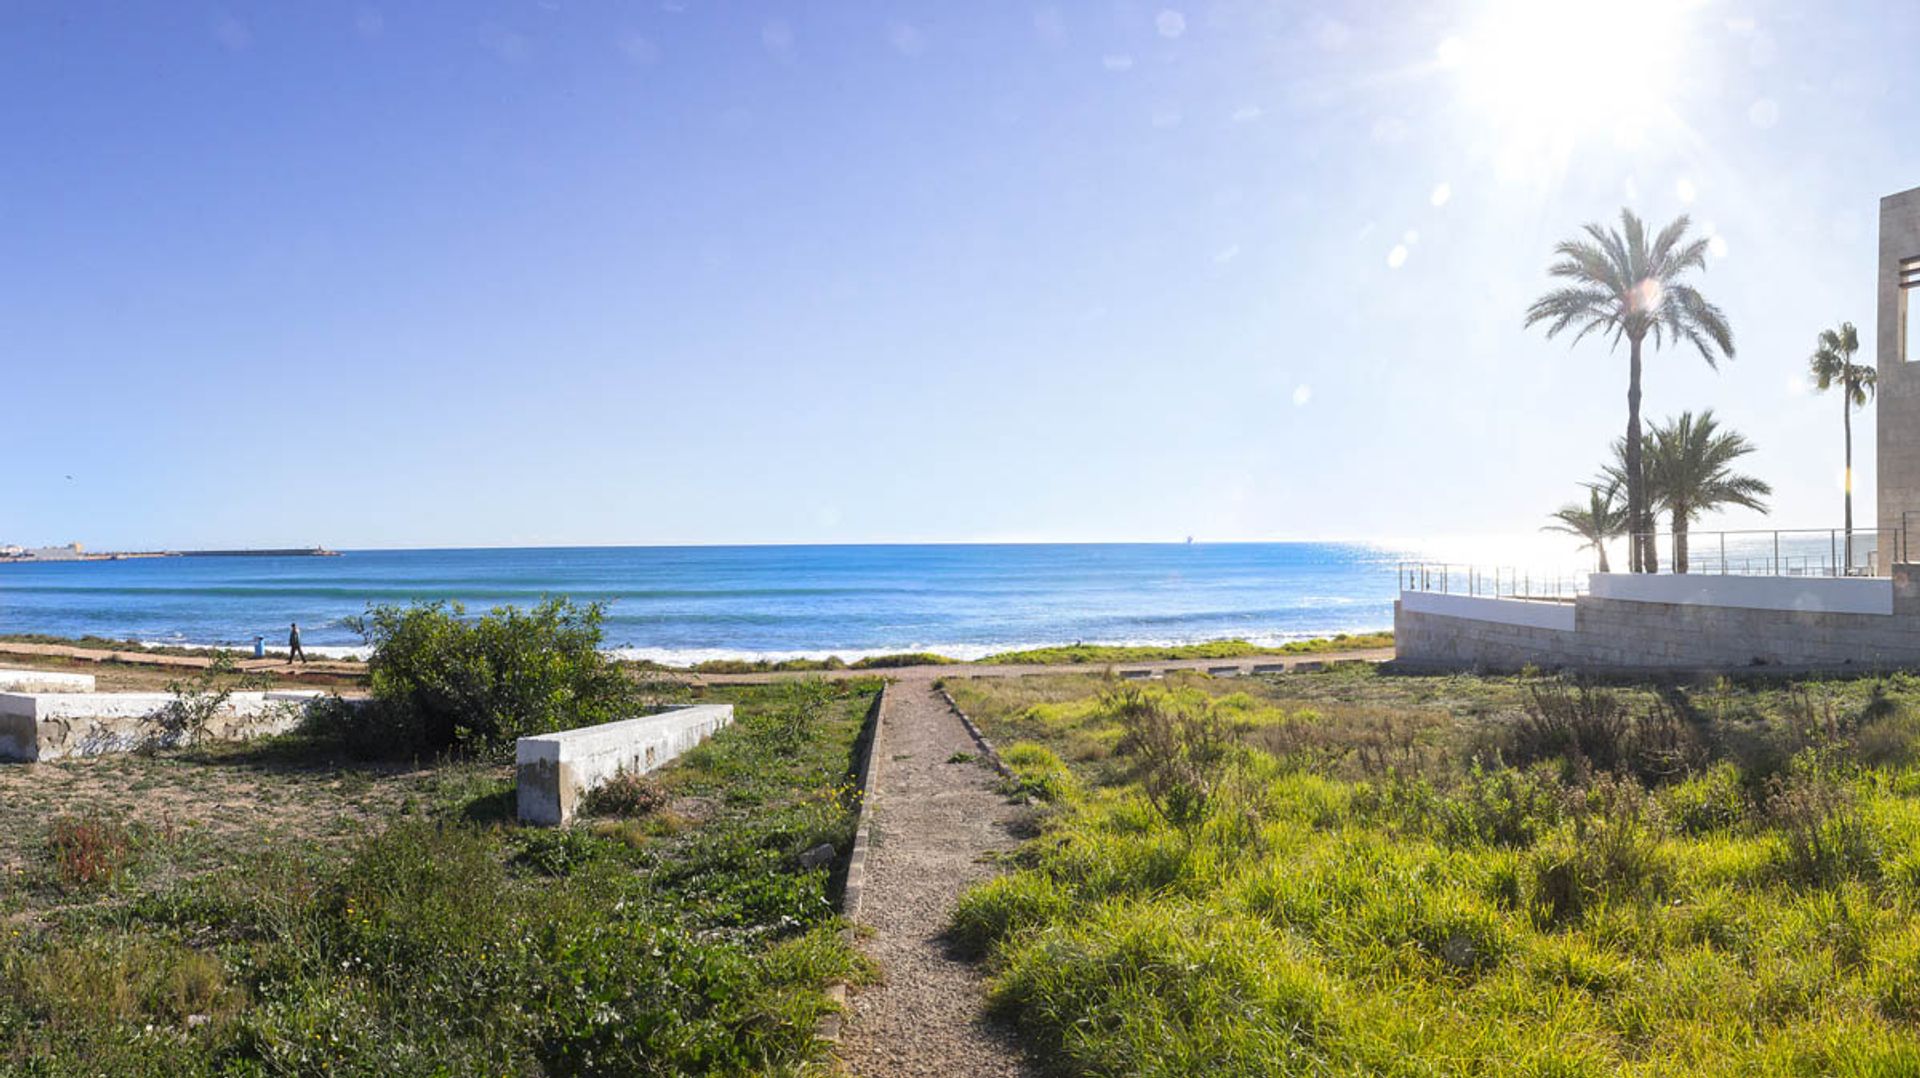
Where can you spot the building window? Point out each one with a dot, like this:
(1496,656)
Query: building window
(1909,328)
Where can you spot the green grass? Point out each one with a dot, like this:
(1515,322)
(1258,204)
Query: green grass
(1213,649)
(432,936)
(1065,655)
(1390,876)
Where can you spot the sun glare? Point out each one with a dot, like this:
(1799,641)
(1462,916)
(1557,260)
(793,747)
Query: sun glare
(1548,73)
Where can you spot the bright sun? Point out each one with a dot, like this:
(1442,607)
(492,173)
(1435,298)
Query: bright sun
(1548,73)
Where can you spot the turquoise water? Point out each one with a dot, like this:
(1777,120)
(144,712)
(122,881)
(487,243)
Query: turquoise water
(690,603)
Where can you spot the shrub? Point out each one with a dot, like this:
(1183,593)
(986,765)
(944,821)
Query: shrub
(88,851)
(627,793)
(1714,800)
(1608,852)
(910,658)
(442,681)
(1181,747)
(1824,838)
(1503,807)
(1592,729)
(1039,772)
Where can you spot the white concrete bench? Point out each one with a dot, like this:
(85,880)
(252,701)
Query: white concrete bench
(553,772)
(44,681)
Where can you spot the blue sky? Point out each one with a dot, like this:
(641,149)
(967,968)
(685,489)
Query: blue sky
(468,273)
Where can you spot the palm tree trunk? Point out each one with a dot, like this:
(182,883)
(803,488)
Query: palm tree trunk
(1846,422)
(1601,546)
(1638,543)
(1679,539)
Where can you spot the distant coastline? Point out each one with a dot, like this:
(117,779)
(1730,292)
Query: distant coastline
(74,552)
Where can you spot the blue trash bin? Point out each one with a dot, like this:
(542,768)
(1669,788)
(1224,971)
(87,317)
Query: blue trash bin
(259,647)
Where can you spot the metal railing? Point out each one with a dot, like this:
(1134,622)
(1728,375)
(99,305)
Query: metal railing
(1496,582)
(1734,552)
(1774,552)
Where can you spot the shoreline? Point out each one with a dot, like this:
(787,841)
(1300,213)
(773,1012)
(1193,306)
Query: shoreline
(696,660)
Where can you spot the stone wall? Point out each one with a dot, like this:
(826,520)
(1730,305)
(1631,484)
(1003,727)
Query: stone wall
(1631,636)
(553,772)
(48,726)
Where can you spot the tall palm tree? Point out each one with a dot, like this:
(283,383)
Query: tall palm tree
(1689,462)
(1624,287)
(1832,365)
(1601,519)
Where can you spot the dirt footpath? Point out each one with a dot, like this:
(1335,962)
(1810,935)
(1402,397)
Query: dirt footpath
(936,826)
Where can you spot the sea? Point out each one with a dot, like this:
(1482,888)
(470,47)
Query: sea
(689,604)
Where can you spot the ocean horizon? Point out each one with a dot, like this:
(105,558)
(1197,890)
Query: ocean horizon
(694,603)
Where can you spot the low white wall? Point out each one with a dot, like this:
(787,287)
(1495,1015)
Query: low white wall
(1531,613)
(1828,595)
(554,771)
(50,725)
(44,681)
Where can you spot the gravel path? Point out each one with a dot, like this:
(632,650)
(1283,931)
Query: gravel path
(934,822)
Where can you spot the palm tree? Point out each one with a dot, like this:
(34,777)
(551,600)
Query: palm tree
(1689,471)
(1623,287)
(1599,520)
(1832,365)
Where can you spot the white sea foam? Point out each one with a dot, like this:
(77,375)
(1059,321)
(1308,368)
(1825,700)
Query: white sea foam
(964,652)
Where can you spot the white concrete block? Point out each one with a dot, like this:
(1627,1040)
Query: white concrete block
(554,771)
(44,681)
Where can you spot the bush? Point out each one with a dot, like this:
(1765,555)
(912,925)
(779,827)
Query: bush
(1503,807)
(1592,729)
(1609,852)
(1714,800)
(627,793)
(442,681)
(1824,838)
(909,658)
(88,851)
(1182,749)
(1039,773)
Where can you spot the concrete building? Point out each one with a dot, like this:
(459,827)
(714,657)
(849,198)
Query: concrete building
(1897,397)
(1641,623)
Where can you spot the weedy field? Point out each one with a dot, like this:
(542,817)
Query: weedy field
(1359,873)
(288,908)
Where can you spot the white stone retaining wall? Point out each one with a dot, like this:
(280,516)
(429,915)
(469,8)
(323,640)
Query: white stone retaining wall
(50,725)
(1832,595)
(554,771)
(1624,635)
(1527,612)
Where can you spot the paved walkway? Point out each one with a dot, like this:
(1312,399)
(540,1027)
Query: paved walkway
(935,825)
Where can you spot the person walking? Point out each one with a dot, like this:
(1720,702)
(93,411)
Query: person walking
(294,652)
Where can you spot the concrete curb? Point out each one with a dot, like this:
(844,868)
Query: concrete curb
(854,885)
(985,743)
